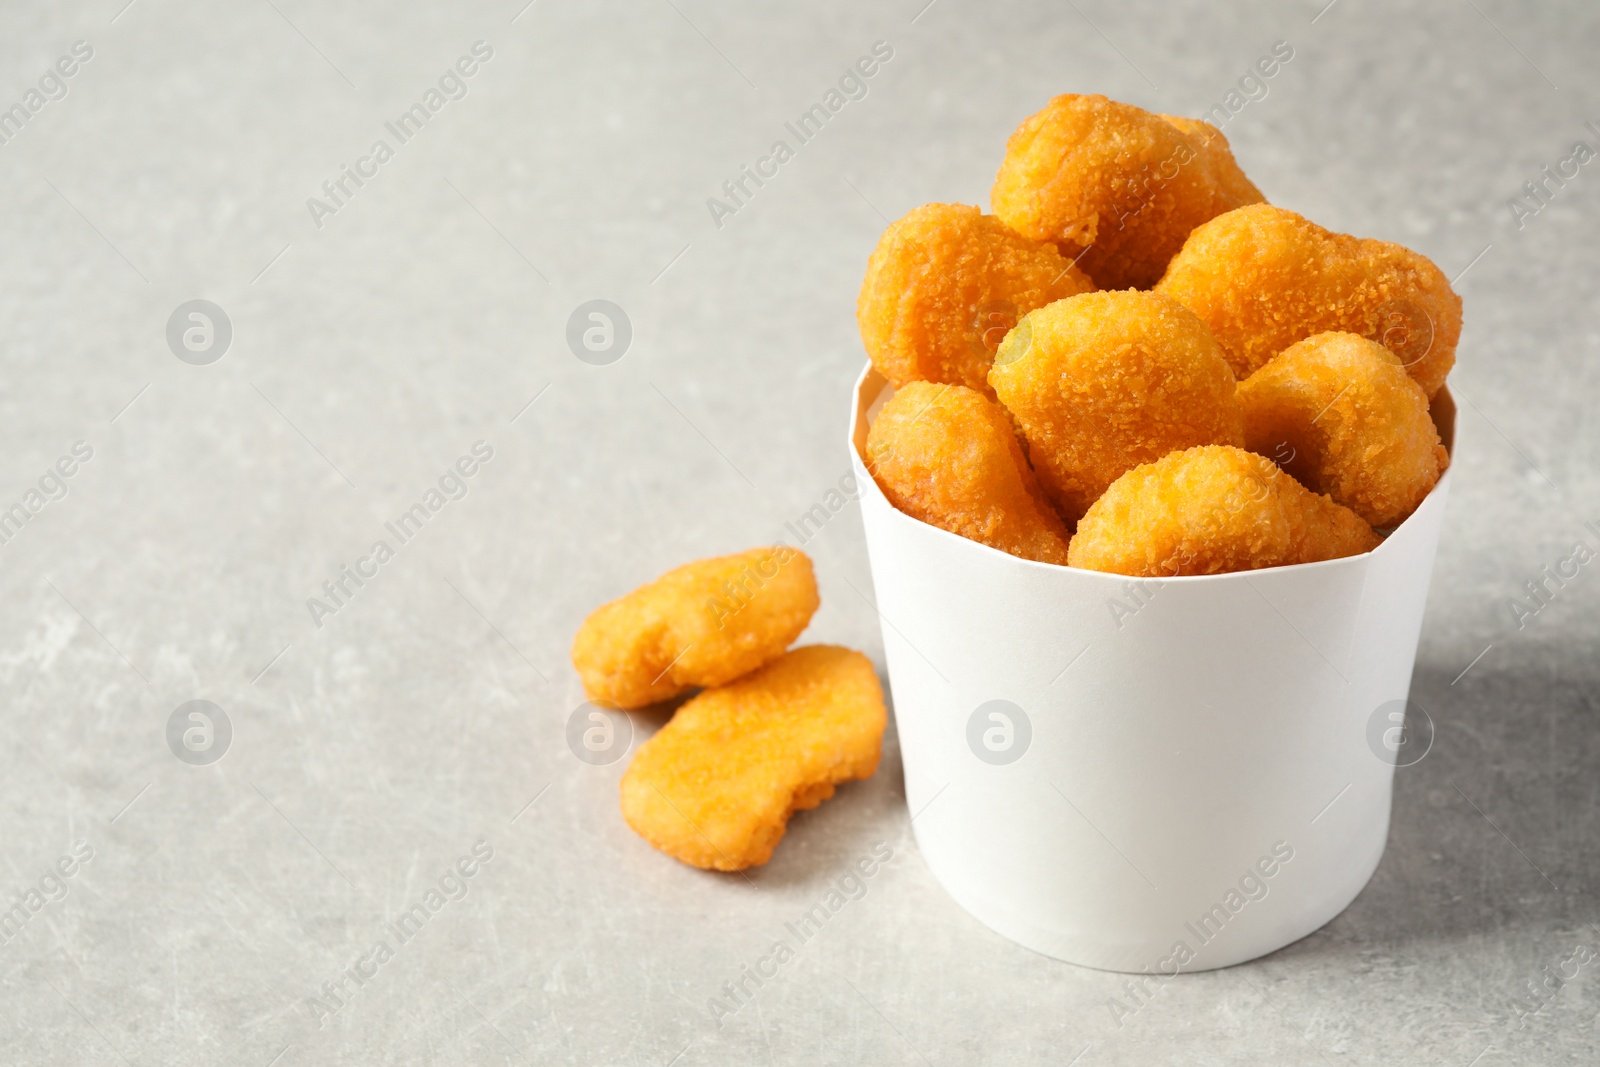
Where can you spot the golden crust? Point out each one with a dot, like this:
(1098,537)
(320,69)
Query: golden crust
(701,624)
(948,456)
(716,786)
(1232,186)
(1341,415)
(1102,382)
(1263,278)
(1211,510)
(944,285)
(1127,185)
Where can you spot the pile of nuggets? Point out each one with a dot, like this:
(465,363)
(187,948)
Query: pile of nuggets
(1137,365)
(772,731)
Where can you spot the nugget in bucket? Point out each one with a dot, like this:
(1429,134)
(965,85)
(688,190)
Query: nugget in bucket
(1212,510)
(1120,184)
(945,284)
(1102,382)
(1348,421)
(949,456)
(1263,278)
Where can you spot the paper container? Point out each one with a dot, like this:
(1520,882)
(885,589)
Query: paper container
(1171,734)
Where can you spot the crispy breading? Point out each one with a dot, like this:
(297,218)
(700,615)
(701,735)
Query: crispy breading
(1232,185)
(716,786)
(1102,382)
(944,285)
(1122,183)
(949,456)
(1210,510)
(1263,278)
(1341,415)
(701,624)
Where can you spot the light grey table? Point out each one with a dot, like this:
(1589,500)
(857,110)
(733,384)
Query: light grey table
(377,337)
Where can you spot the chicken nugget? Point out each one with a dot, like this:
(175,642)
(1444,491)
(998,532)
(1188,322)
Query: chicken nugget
(1263,278)
(949,456)
(704,623)
(1232,185)
(942,288)
(716,786)
(1210,510)
(1341,415)
(1118,181)
(1103,382)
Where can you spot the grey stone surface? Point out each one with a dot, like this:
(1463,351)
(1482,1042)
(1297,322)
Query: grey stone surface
(428,713)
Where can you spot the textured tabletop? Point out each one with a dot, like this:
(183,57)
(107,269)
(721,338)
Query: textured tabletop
(397,217)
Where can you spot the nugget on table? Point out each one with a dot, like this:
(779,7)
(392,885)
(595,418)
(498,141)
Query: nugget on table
(704,623)
(716,786)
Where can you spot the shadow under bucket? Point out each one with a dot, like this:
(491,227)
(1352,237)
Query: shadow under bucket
(1146,774)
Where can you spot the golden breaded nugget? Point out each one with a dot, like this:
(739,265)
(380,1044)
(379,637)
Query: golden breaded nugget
(1263,278)
(1103,382)
(716,786)
(1232,185)
(1127,185)
(949,456)
(942,288)
(1354,424)
(1210,510)
(704,623)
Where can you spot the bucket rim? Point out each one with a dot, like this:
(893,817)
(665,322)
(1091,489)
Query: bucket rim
(870,384)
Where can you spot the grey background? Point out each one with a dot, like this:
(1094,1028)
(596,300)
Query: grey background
(368,754)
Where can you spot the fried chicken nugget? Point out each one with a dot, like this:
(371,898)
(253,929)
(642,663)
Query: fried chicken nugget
(1356,426)
(1263,278)
(949,456)
(1127,185)
(942,288)
(1210,510)
(1233,186)
(1102,382)
(701,624)
(716,786)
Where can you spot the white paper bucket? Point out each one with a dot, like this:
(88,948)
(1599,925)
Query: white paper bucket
(1181,774)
